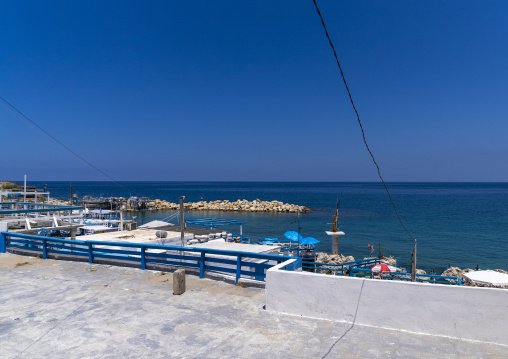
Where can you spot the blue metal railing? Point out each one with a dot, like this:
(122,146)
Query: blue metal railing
(341,268)
(362,268)
(236,263)
(427,278)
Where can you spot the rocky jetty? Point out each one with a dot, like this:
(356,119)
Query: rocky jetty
(235,206)
(239,206)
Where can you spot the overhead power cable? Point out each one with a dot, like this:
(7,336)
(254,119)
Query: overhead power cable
(64,146)
(360,122)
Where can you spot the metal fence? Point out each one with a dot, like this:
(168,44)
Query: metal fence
(361,268)
(341,268)
(233,263)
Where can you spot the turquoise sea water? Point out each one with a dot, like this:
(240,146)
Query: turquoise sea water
(461,224)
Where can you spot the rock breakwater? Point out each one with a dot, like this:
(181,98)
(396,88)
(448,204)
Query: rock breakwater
(238,205)
(218,205)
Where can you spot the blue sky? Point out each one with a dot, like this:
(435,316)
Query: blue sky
(249,90)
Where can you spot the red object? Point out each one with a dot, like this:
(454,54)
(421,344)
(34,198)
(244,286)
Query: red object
(381,267)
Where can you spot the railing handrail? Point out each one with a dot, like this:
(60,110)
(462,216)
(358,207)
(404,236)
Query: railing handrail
(355,268)
(157,246)
(404,275)
(206,259)
(353,264)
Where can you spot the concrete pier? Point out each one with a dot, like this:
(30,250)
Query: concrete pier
(59,309)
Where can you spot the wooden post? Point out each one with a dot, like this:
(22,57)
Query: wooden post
(182,223)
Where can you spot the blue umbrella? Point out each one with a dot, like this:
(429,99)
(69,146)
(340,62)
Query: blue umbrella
(293,236)
(308,241)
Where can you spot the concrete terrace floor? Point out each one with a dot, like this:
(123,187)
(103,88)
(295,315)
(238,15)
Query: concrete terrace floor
(59,309)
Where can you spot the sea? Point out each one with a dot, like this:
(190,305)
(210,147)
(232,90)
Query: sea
(455,224)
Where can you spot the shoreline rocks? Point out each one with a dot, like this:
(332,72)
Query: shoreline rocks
(457,272)
(326,258)
(218,205)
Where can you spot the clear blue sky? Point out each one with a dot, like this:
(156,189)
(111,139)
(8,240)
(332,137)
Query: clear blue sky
(249,90)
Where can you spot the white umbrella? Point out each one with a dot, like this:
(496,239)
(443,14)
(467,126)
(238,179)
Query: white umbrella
(488,277)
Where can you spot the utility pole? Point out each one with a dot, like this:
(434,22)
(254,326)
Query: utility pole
(182,223)
(413,264)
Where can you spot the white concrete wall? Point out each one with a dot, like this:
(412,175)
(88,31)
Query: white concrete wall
(459,312)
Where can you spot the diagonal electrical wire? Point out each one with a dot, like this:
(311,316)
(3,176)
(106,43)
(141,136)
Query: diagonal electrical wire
(64,146)
(360,122)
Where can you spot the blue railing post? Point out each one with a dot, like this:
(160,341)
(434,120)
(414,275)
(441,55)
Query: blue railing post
(3,242)
(143,260)
(44,248)
(238,267)
(202,265)
(90,253)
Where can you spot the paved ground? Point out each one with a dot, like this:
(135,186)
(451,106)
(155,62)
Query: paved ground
(59,309)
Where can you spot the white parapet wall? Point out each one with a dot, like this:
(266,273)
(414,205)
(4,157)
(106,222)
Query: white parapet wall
(459,312)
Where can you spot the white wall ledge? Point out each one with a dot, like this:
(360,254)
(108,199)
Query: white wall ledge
(454,311)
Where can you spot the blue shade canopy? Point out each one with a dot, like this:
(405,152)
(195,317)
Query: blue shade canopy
(308,241)
(293,236)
